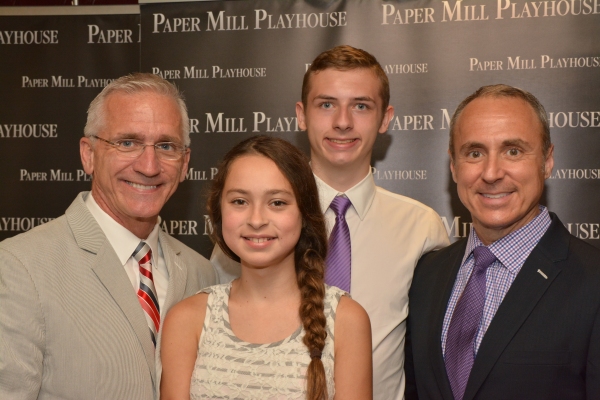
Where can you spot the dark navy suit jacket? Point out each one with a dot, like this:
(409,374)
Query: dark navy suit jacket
(544,341)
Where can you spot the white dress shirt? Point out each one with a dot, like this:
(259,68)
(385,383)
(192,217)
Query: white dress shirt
(124,244)
(388,233)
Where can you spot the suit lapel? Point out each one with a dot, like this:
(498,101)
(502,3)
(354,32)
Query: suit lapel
(534,279)
(445,286)
(107,267)
(109,271)
(177,272)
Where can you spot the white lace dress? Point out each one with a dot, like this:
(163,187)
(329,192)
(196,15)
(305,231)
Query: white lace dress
(229,368)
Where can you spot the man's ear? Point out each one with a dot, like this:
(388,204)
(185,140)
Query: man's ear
(549,163)
(300,116)
(86,151)
(452,166)
(387,117)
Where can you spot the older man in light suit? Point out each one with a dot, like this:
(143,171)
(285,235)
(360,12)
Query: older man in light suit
(82,297)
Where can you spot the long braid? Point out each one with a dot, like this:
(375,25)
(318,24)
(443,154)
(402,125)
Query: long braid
(310,254)
(312,293)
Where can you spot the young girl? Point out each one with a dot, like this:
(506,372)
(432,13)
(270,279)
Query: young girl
(277,332)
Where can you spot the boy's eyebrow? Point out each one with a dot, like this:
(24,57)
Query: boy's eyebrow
(359,98)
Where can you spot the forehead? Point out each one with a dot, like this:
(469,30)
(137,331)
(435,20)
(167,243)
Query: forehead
(144,112)
(506,118)
(255,171)
(357,82)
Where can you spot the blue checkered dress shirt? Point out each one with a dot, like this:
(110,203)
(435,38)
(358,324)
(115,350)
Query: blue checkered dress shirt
(511,252)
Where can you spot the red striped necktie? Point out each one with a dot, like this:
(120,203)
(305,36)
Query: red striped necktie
(147,293)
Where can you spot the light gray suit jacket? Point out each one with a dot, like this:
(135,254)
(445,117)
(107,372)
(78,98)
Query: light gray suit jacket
(71,326)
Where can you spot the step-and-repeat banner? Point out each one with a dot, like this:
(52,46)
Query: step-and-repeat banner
(52,64)
(240,65)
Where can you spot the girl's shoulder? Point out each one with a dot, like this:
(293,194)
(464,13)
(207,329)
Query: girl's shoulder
(346,309)
(333,295)
(220,289)
(189,307)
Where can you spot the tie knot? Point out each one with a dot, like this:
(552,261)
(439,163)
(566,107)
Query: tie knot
(483,257)
(142,253)
(340,205)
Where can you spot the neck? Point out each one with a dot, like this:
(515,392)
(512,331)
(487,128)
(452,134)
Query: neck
(340,178)
(266,283)
(489,235)
(141,229)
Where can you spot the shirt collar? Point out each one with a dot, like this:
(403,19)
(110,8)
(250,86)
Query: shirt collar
(361,195)
(513,249)
(121,239)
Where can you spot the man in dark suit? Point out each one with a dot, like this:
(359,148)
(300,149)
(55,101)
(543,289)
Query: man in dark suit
(513,311)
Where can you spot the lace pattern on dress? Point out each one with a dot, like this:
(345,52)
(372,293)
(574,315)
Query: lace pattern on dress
(229,368)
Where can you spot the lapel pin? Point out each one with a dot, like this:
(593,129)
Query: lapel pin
(542,274)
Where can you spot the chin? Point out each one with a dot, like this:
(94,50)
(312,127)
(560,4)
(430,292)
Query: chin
(145,215)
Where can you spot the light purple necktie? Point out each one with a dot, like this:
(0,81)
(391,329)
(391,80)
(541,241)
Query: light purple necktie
(460,340)
(339,259)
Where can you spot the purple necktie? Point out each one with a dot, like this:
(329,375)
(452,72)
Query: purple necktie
(339,259)
(460,340)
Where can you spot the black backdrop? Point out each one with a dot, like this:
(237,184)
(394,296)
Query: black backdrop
(240,65)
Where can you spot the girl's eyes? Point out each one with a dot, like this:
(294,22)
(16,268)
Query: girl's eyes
(275,203)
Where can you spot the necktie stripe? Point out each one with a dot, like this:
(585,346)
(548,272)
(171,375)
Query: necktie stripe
(145,259)
(145,272)
(138,253)
(464,324)
(146,304)
(147,292)
(339,256)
